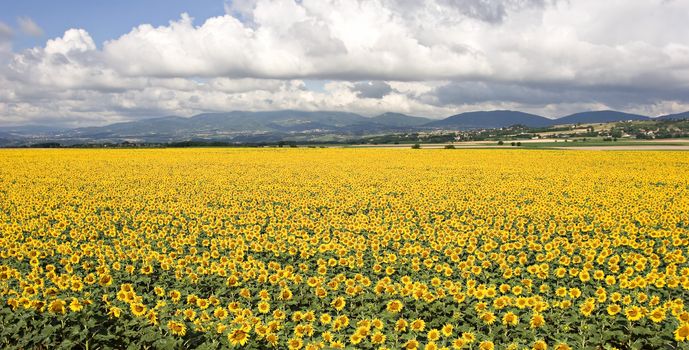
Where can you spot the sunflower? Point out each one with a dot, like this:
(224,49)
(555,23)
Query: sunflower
(338,304)
(114,312)
(238,337)
(458,343)
(418,325)
(177,328)
(263,307)
(57,306)
(447,330)
(138,309)
(433,335)
(468,337)
(152,317)
(486,345)
(488,318)
(286,294)
(540,345)
(633,313)
(657,315)
(587,308)
(220,313)
(377,323)
(613,309)
(378,338)
(682,332)
(264,295)
(394,306)
(272,339)
(325,319)
(202,303)
(355,339)
(294,344)
(75,305)
(401,325)
(189,314)
(510,319)
(105,280)
(537,320)
(411,344)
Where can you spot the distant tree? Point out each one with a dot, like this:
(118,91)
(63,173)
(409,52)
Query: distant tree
(45,145)
(416,146)
(500,143)
(449,146)
(519,144)
(513,143)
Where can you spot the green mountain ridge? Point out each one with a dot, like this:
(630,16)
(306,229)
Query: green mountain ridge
(245,126)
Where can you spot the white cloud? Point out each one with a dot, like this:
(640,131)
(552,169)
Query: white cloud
(433,58)
(534,40)
(29,27)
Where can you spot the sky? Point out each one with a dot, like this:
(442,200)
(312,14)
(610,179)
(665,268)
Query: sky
(79,63)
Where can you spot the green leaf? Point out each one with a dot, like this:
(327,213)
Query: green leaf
(47,331)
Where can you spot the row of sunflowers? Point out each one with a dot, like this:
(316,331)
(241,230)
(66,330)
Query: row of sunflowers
(343,248)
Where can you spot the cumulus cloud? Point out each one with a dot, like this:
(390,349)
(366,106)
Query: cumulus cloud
(29,27)
(432,58)
(492,11)
(536,40)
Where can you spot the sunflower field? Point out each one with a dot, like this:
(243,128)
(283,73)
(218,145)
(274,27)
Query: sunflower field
(343,248)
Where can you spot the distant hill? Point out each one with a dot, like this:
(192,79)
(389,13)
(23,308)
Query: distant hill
(598,117)
(278,121)
(287,121)
(399,120)
(678,116)
(29,129)
(162,125)
(274,126)
(281,122)
(489,120)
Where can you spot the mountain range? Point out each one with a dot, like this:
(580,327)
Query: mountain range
(271,126)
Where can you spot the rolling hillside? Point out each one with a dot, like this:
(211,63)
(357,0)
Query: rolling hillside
(599,117)
(489,120)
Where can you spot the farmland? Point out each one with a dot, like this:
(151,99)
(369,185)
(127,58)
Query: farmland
(343,248)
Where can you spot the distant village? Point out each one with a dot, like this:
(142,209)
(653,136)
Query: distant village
(632,129)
